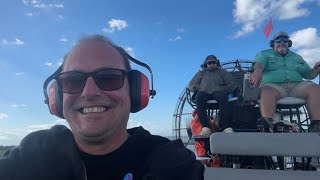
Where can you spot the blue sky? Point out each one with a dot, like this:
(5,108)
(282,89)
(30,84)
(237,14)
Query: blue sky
(173,37)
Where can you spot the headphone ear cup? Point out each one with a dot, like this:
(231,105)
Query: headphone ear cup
(55,100)
(289,43)
(271,43)
(139,90)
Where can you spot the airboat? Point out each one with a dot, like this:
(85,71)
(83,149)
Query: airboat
(249,151)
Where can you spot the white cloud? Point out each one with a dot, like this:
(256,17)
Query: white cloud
(11,137)
(29,14)
(63,40)
(14,136)
(181,30)
(62,122)
(16,42)
(18,105)
(19,42)
(251,14)
(305,38)
(60,61)
(306,42)
(19,73)
(292,9)
(157,128)
(33,128)
(60,17)
(129,51)
(4,42)
(49,64)
(30,2)
(3,116)
(41,5)
(175,39)
(47,6)
(5,135)
(115,24)
(25,2)
(37,127)
(158,23)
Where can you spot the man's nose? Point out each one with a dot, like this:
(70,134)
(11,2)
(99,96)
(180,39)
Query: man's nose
(91,88)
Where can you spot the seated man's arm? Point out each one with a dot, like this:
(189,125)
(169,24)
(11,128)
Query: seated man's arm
(260,63)
(229,82)
(256,76)
(194,84)
(313,73)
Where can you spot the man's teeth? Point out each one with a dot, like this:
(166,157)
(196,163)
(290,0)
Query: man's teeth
(93,109)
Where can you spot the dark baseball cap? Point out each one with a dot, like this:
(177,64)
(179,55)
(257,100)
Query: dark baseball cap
(281,34)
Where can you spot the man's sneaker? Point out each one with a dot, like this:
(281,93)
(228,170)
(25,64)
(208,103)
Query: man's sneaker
(314,126)
(228,130)
(265,124)
(205,131)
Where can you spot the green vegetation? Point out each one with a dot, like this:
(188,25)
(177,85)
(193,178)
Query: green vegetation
(4,149)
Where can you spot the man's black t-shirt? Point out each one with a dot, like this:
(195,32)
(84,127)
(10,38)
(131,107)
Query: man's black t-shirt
(53,154)
(129,158)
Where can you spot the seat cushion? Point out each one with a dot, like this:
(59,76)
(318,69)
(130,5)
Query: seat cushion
(291,101)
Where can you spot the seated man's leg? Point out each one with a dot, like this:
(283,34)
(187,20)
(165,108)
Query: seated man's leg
(201,103)
(225,109)
(311,92)
(269,94)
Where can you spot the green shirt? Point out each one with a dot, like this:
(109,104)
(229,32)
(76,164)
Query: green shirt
(281,69)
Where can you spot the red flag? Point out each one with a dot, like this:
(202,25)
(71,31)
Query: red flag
(268,28)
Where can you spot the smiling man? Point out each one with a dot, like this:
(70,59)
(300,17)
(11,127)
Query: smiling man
(282,73)
(94,87)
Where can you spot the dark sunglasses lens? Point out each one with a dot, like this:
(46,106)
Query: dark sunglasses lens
(283,40)
(211,62)
(110,79)
(72,82)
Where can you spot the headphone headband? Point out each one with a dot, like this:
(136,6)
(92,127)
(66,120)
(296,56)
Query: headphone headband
(46,83)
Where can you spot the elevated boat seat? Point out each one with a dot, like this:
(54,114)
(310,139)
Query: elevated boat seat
(292,103)
(265,144)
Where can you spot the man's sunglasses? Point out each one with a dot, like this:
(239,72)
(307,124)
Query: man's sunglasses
(212,62)
(107,79)
(283,40)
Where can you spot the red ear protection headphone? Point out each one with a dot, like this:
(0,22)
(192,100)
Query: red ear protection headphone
(272,43)
(139,90)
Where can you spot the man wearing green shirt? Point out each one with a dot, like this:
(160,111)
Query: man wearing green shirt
(281,73)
